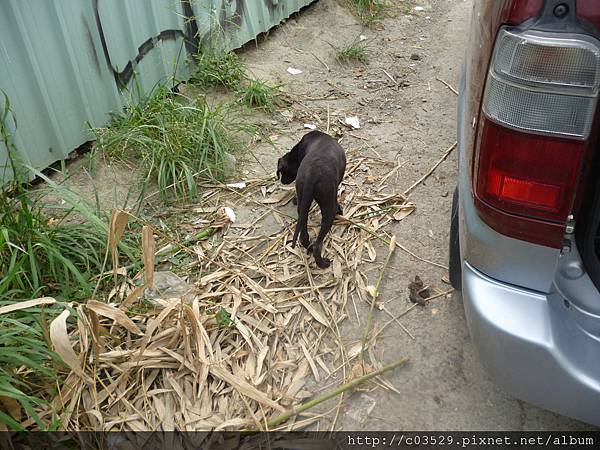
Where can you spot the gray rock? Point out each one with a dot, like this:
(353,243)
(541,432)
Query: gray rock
(168,285)
(229,163)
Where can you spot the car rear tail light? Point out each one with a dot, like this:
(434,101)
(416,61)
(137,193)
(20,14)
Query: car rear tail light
(538,109)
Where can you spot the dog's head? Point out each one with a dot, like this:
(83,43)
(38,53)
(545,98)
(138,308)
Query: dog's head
(287,166)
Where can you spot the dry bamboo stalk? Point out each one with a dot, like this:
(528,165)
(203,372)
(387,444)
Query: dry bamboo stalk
(341,389)
(374,296)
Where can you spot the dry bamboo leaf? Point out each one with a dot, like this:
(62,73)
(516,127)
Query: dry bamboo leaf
(177,357)
(312,364)
(27,304)
(404,211)
(243,388)
(392,245)
(337,269)
(59,337)
(205,339)
(153,325)
(282,197)
(213,277)
(234,424)
(323,366)
(259,362)
(313,312)
(99,419)
(148,248)
(118,222)
(354,350)
(132,297)
(83,328)
(245,332)
(102,309)
(298,380)
(12,407)
(372,290)
(371,251)
(254,286)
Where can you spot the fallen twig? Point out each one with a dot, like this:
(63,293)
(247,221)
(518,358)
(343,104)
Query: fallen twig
(321,61)
(424,177)
(410,308)
(389,76)
(447,85)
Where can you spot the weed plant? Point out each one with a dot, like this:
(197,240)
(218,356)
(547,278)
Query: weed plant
(174,139)
(354,51)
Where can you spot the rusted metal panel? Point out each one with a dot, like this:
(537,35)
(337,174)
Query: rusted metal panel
(65,65)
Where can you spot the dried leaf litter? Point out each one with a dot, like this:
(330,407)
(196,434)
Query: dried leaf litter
(240,346)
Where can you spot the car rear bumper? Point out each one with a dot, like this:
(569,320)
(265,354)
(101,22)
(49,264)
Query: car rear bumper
(530,347)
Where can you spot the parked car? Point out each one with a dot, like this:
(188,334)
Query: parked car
(525,237)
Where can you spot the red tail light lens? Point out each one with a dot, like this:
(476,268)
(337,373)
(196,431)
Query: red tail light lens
(526,192)
(527,174)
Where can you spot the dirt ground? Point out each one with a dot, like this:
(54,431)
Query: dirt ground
(408,115)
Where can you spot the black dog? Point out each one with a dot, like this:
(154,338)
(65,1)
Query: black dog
(317,163)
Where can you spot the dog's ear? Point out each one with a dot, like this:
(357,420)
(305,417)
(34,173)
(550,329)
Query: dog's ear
(296,153)
(281,167)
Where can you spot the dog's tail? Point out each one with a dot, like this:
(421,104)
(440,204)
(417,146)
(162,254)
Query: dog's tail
(304,203)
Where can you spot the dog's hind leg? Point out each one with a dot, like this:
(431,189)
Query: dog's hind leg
(305,198)
(303,223)
(327,217)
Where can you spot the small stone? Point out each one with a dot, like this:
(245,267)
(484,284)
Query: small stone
(229,162)
(167,285)
(415,57)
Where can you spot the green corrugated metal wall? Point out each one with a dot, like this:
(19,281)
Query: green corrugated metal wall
(65,64)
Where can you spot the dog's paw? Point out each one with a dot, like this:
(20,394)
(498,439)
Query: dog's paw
(323,263)
(305,242)
(291,242)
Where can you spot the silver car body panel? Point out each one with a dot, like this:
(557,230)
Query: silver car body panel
(532,348)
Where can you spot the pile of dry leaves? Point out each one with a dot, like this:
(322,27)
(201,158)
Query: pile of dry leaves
(238,348)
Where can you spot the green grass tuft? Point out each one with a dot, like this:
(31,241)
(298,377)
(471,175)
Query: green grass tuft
(354,51)
(258,94)
(369,11)
(28,368)
(174,139)
(216,67)
(39,255)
